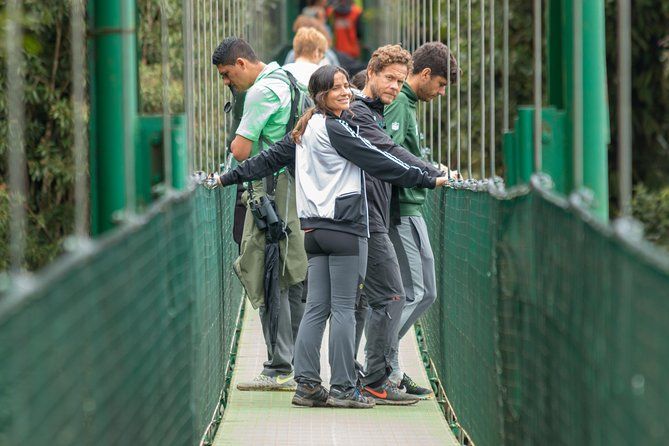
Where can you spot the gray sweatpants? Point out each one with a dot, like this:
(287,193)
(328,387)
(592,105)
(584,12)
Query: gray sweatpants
(414,253)
(385,298)
(337,264)
(280,358)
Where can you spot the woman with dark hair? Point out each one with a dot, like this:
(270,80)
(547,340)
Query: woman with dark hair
(329,160)
(332,207)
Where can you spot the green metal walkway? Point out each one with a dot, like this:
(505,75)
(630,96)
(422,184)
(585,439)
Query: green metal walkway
(268,418)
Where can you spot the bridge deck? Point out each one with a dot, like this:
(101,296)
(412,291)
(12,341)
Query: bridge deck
(268,418)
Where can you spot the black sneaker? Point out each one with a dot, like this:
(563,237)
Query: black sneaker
(410,387)
(351,398)
(310,395)
(388,394)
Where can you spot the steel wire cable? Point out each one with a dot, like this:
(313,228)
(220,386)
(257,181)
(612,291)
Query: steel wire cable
(439,101)
(577,17)
(459,89)
(77,37)
(469,89)
(431,32)
(187,27)
(537,85)
(482,88)
(15,140)
(128,112)
(167,128)
(492,88)
(625,107)
(505,67)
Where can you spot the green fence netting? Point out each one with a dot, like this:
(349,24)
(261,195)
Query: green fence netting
(550,328)
(128,342)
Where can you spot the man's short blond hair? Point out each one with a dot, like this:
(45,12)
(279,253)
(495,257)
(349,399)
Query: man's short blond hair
(307,41)
(389,55)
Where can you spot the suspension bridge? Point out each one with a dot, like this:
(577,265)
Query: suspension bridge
(550,326)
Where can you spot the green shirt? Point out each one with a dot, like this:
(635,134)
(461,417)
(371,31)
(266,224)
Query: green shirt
(402,127)
(266,109)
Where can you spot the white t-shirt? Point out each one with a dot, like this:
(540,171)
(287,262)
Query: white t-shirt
(302,71)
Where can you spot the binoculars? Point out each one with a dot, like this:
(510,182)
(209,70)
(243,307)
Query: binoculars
(264,213)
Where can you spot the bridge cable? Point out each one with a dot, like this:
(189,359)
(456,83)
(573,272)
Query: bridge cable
(483,88)
(15,140)
(128,113)
(625,107)
(492,88)
(537,85)
(77,36)
(459,89)
(165,69)
(469,89)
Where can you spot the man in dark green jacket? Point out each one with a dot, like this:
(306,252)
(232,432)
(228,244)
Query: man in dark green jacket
(434,68)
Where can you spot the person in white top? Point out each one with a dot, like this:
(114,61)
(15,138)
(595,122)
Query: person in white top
(309,45)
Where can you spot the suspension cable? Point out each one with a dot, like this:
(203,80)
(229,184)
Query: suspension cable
(577,66)
(625,107)
(167,127)
(431,31)
(483,88)
(458,104)
(77,36)
(129,150)
(469,89)
(188,81)
(505,67)
(15,140)
(492,89)
(537,85)
(448,97)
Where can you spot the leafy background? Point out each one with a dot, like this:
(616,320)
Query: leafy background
(49,115)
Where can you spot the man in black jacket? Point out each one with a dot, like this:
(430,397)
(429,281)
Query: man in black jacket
(386,73)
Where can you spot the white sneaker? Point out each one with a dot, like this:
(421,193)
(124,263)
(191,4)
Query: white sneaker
(270,383)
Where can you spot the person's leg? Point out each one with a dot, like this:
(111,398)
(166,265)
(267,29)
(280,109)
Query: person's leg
(407,248)
(347,272)
(361,314)
(417,264)
(297,298)
(428,282)
(385,298)
(310,334)
(280,358)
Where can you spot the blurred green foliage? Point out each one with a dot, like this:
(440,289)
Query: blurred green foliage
(47,75)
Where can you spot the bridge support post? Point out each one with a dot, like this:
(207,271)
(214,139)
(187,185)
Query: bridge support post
(561,93)
(113,92)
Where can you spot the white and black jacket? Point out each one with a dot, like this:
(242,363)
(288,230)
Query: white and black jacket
(328,166)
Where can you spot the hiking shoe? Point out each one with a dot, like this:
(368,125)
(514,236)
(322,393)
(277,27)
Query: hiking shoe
(388,394)
(310,395)
(351,398)
(270,383)
(410,387)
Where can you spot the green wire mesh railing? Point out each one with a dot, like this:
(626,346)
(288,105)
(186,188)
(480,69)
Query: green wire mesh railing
(127,342)
(550,327)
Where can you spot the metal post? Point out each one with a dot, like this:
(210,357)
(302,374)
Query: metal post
(595,105)
(114,116)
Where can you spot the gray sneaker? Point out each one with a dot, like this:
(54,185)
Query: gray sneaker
(262,382)
(388,394)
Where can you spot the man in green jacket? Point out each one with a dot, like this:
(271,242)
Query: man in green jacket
(434,68)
